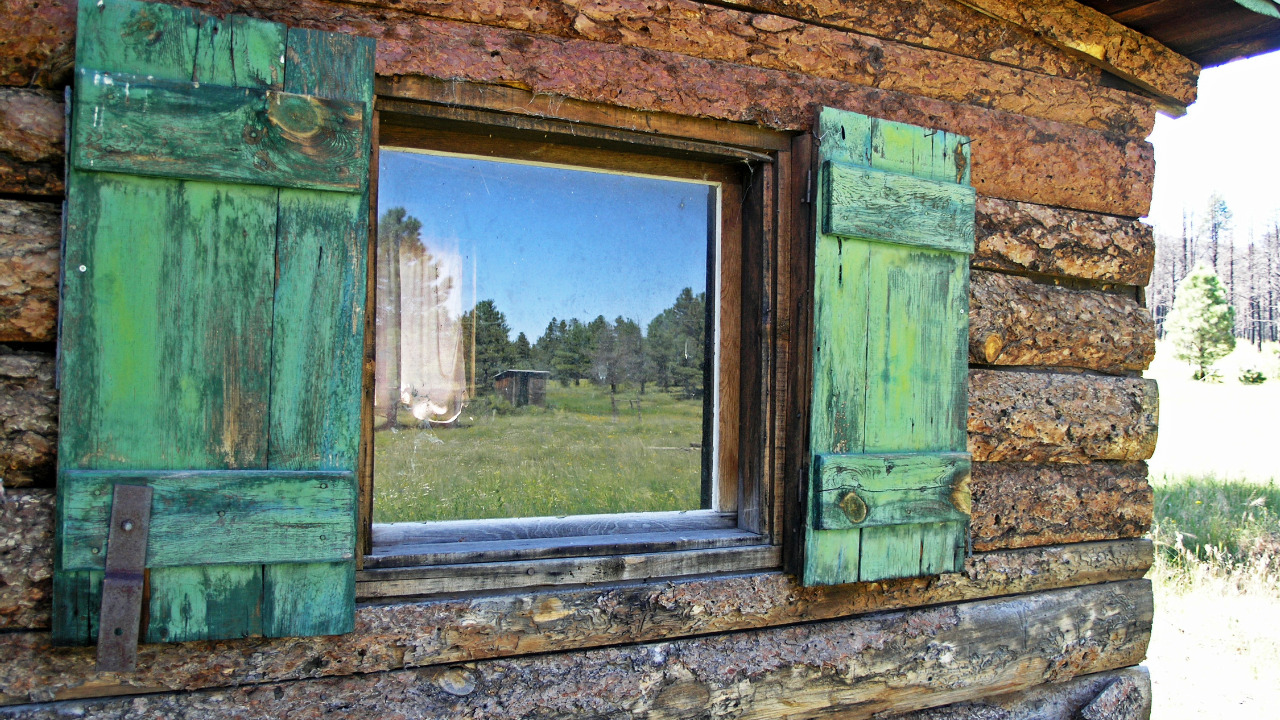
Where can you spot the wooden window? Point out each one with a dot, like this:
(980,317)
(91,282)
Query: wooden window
(717,522)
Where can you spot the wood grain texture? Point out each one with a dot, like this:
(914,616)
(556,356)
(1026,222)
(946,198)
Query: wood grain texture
(30,237)
(891,489)
(28,417)
(218,133)
(1056,241)
(1017,321)
(1026,504)
(1058,417)
(862,666)
(215,516)
(30,142)
(143,319)
(1114,695)
(26,558)
(897,208)
(204,602)
(1122,51)
(449,630)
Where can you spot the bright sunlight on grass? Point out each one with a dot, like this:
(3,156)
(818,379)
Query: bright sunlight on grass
(572,457)
(1216,645)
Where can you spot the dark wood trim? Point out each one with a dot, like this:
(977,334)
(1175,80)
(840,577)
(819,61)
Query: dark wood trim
(749,197)
(364,462)
(798,341)
(490,577)
(517,101)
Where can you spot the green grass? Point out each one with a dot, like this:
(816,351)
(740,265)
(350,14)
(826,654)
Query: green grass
(572,457)
(1224,529)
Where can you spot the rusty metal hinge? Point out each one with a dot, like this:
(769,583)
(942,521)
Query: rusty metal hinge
(121,612)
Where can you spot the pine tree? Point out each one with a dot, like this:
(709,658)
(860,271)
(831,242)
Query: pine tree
(1201,324)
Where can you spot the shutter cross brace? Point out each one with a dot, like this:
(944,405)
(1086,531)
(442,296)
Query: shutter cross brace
(121,614)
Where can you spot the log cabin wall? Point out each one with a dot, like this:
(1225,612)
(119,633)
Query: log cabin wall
(1051,610)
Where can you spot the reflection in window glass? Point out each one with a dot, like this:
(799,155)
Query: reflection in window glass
(541,339)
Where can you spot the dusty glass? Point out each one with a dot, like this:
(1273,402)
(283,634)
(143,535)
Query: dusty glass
(543,339)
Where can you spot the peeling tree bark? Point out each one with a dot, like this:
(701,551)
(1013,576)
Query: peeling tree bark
(1020,158)
(26,558)
(29,247)
(30,142)
(1056,241)
(1016,321)
(903,660)
(1056,417)
(434,632)
(1026,504)
(1126,52)
(28,417)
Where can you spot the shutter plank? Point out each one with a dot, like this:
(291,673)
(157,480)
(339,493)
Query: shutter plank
(900,209)
(215,516)
(917,349)
(161,259)
(142,38)
(891,551)
(208,602)
(308,599)
(318,346)
(130,124)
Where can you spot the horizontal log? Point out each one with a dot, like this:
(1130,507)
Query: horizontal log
(30,142)
(28,417)
(1115,695)
(766,40)
(1017,321)
(26,558)
(937,24)
(1056,241)
(30,234)
(862,666)
(1059,417)
(1015,157)
(418,634)
(1028,504)
(1119,50)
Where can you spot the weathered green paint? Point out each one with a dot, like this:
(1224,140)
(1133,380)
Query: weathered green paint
(308,599)
(890,340)
(216,516)
(141,324)
(209,602)
(129,124)
(188,288)
(900,209)
(891,489)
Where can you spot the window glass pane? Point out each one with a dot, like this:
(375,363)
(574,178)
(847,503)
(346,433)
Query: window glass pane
(541,339)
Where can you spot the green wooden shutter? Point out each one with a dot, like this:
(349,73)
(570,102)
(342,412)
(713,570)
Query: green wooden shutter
(212,318)
(888,492)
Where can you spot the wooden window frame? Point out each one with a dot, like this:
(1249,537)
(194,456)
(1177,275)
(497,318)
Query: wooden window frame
(412,559)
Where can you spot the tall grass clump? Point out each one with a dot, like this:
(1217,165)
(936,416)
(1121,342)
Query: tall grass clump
(1217,535)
